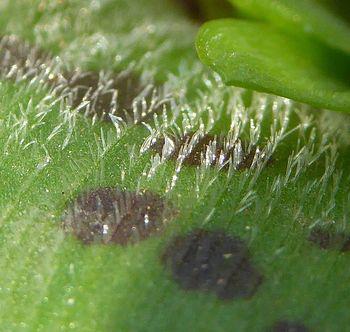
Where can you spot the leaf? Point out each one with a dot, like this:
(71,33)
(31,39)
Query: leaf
(52,281)
(301,16)
(257,56)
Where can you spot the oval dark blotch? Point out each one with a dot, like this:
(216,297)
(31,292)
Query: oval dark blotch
(212,261)
(213,150)
(288,326)
(113,216)
(122,95)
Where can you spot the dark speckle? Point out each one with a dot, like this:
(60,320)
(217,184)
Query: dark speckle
(288,326)
(327,238)
(110,215)
(212,261)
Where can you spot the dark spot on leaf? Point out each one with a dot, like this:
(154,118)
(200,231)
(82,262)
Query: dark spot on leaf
(328,238)
(212,261)
(110,215)
(346,245)
(19,58)
(211,150)
(121,95)
(247,158)
(287,326)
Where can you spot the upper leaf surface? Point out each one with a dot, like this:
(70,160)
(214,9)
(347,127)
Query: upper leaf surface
(260,57)
(301,16)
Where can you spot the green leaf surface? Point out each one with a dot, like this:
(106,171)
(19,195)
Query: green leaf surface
(50,153)
(301,16)
(257,56)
